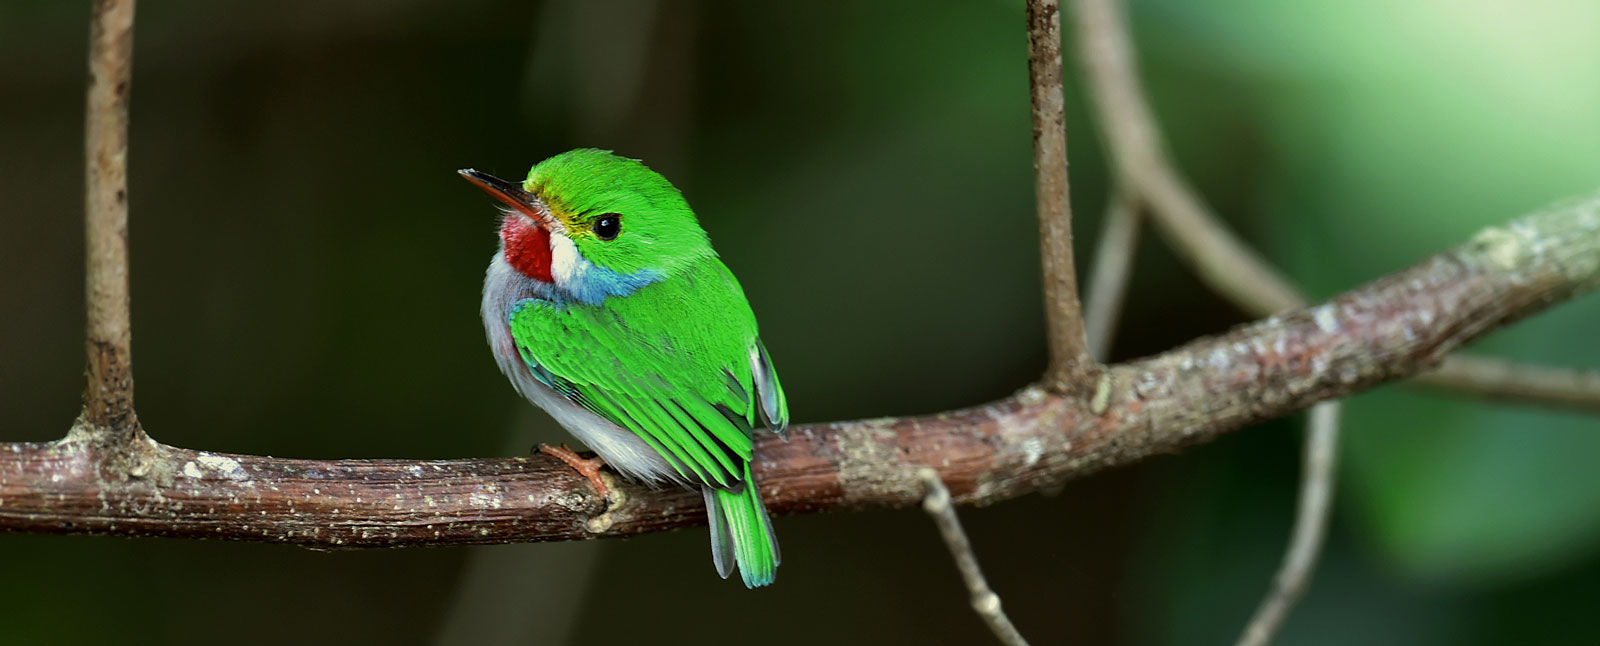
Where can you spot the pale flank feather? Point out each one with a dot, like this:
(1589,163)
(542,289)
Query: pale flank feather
(623,450)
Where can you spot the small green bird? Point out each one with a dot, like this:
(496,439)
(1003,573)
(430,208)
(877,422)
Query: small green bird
(607,307)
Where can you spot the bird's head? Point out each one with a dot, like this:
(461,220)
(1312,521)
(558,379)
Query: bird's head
(594,224)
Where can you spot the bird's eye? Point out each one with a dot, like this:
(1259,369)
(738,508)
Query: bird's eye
(608,226)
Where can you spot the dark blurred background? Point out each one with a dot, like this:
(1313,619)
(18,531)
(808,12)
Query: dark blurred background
(307,265)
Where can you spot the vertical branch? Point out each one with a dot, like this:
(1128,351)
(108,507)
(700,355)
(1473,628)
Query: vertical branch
(108,393)
(1108,277)
(1310,526)
(1069,353)
(936,501)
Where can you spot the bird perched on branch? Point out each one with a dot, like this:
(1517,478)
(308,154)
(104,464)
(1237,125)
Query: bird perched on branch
(607,307)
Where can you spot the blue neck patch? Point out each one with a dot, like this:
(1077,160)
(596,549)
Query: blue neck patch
(592,284)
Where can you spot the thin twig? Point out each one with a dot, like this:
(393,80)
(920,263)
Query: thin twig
(1108,280)
(1516,382)
(108,391)
(1221,259)
(1070,364)
(1310,526)
(984,601)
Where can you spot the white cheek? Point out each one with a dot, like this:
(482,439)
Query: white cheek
(565,263)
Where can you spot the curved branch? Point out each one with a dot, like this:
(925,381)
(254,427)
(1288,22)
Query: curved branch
(1223,261)
(1143,168)
(1035,439)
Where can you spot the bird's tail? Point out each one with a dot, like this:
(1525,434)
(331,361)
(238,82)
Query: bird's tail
(741,533)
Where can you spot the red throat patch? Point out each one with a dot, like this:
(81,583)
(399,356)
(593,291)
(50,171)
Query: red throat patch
(527,247)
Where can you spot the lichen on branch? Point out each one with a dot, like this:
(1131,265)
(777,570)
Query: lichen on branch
(1035,439)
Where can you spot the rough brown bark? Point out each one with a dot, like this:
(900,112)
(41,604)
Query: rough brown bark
(1070,364)
(108,391)
(1035,439)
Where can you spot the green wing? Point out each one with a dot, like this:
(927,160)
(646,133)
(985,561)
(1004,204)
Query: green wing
(671,362)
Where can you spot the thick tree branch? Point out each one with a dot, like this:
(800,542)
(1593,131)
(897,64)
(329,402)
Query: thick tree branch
(1221,259)
(1035,439)
(108,392)
(1070,364)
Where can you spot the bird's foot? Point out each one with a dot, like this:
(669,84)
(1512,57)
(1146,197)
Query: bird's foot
(590,468)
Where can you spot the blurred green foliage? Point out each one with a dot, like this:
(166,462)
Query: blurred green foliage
(306,270)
